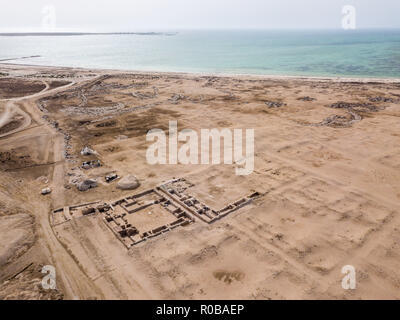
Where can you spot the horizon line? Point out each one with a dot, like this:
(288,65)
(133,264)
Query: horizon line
(176,31)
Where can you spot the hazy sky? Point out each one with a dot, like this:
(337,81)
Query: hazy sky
(154,15)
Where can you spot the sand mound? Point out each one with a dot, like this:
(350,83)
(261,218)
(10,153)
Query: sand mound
(128,183)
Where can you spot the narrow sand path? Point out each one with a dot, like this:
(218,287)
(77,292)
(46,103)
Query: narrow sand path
(12,108)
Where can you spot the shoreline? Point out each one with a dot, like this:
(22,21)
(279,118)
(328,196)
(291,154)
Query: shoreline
(216,74)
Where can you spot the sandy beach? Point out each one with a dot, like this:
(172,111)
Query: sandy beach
(326,179)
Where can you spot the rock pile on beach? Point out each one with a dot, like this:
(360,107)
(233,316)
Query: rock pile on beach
(354,110)
(306,99)
(362,107)
(381,99)
(274,104)
(336,121)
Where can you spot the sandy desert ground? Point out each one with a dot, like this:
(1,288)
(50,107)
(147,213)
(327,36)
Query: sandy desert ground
(327,176)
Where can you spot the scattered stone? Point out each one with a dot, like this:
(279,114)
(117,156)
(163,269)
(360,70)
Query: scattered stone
(176,98)
(381,99)
(354,106)
(274,104)
(354,110)
(279,236)
(336,121)
(306,99)
(129,182)
(117,109)
(210,81)
(146,95)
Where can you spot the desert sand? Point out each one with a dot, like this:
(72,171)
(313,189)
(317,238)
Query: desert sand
(326,176)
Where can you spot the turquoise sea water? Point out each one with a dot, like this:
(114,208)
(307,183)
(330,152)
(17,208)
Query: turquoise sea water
(360,53)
